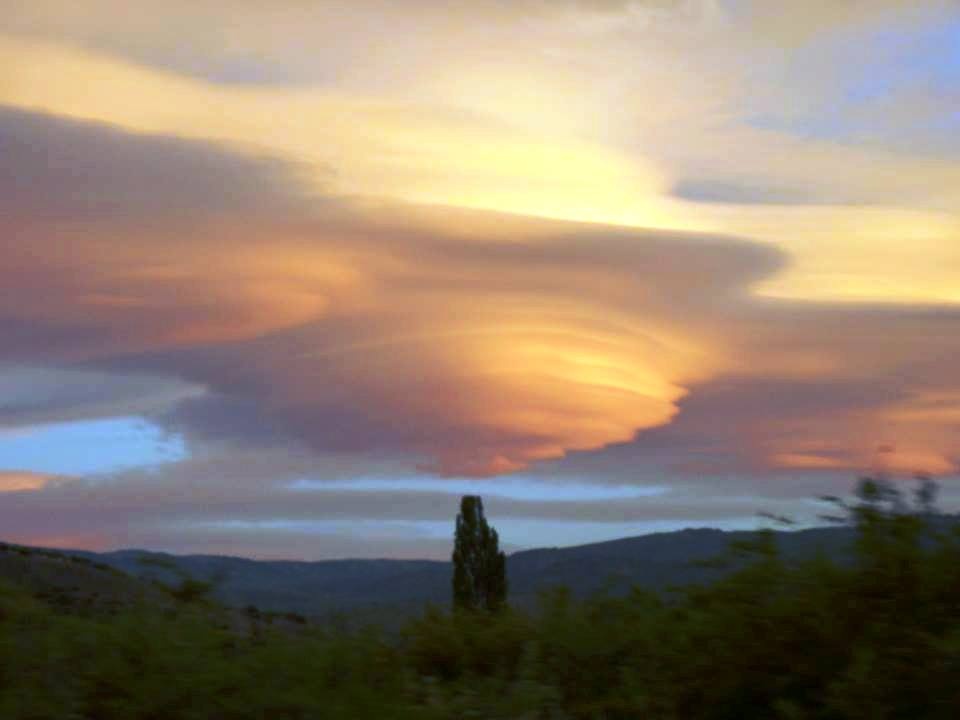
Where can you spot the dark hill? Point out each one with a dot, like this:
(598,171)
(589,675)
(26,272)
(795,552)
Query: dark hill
(74,582)
(655,562)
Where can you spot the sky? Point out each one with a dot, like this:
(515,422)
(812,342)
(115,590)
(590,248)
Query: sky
(284,280)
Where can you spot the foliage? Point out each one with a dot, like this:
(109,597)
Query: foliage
(874,636)
(479,567)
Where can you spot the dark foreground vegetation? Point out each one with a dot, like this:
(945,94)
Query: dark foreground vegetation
(876,637)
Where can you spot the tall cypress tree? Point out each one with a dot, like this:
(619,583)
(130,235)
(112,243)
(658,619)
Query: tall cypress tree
(479,567)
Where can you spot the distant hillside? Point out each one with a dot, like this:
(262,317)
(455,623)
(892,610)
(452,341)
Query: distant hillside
(654,562)
(309,588)
(75,582)
(316,589)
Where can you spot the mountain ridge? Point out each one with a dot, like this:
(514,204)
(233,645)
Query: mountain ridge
(318,588)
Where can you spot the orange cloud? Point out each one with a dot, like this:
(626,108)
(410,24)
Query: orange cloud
(21,481)
(355,324)
(461,342)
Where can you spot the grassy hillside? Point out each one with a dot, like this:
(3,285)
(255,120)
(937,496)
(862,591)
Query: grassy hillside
(73,582)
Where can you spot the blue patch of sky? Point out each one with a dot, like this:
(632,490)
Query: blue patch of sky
(513,488)
(889,62)
(523,533)
(516,533)
(929,57)
(367,528)
(88,447)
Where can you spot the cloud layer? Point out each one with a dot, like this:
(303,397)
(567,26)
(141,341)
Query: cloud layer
(575,240)
(349,327)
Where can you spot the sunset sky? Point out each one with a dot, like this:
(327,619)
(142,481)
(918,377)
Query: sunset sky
(285,279)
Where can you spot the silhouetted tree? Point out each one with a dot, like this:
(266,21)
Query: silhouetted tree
(479,567)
